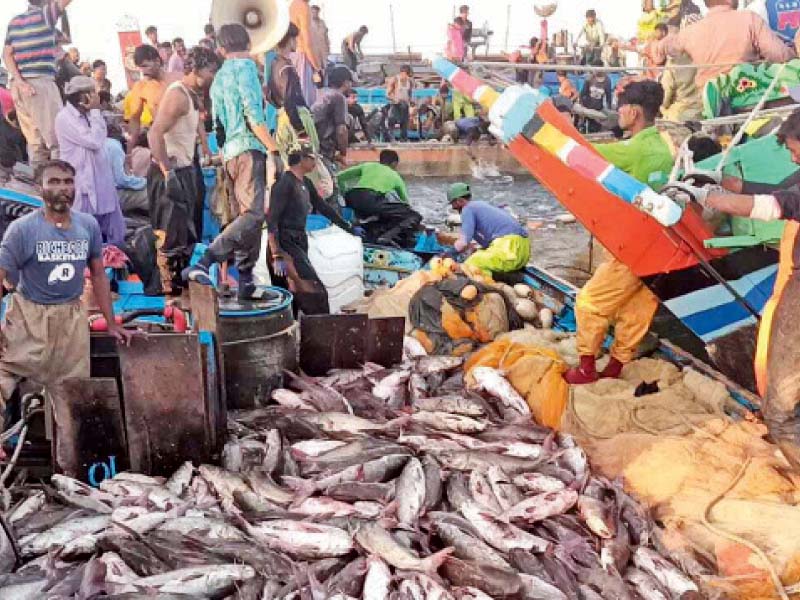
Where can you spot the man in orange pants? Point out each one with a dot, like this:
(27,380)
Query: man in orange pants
(614,294)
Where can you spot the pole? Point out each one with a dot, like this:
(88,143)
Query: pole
(508,27)
(394,33)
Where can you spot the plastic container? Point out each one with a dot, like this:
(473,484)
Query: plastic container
(338,259)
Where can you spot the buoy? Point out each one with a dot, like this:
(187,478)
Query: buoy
(527,309)
(522,290)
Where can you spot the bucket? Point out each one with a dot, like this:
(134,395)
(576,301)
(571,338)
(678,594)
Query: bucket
(257,345)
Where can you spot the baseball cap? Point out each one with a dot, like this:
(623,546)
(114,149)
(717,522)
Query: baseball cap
(79,83)
(458,190)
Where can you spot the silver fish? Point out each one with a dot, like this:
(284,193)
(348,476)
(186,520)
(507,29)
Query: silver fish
(536,483)
(61,534)
(481,491)
(646,586)
(468,547)
(180,479)
(663,571)
(306,540)
(433,482)
(291,399)
(535,588)
(27,507)
(494,383)
(410,492)
(418,388)
(81,495)
(430,365)
(432,588)
(595,515)
(265,487)
(503,536)
(392,386)
(213,529)
(449,422)
(314,448)
(378,581)
(470,593)
(541,507)
(454,404)
(199,582)
(506,492)
(469,460)
(379,542)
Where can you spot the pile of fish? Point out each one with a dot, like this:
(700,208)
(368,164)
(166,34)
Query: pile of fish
(369,484)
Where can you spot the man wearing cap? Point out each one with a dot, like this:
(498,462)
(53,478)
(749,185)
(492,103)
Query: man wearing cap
(292,199)
(30,53)
(504,242)
(614,293)
(378,195)
(241,122)
(82,132)
(330,115)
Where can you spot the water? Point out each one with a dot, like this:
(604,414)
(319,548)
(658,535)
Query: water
(522,195)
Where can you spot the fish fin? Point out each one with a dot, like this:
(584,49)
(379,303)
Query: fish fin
(434,561)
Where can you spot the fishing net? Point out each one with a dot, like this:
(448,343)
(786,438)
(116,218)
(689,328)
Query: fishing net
(722,491)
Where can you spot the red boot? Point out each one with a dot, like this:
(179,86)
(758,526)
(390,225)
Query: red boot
(586,373)
(613,369)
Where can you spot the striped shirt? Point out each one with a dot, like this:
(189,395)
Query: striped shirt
(32,37)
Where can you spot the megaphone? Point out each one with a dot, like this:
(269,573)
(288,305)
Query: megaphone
(267,21)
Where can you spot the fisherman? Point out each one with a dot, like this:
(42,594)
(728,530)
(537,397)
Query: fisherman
(595,35)
(778,352)
(210,39)
(358,120)
(132,190)
(146,93)
(45,336)
(504,242)
(614,293)
(304,57)
(172,183)
(682,101)
(292,198)
(330,115)
(320,40)
(99,73)
(30,54)
(165,52)
(351,48)
(238,111)
(82,133)
(726,37)
(400,91)
(379,197)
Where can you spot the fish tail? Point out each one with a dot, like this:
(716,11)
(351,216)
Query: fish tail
(434,561)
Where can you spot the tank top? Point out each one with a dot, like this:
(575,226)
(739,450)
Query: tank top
(181,140)
(403,90)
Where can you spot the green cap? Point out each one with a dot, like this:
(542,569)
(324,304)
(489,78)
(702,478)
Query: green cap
(458,190)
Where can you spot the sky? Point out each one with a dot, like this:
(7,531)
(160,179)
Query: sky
(420,24)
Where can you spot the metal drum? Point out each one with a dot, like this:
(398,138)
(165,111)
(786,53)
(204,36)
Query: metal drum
(258,341)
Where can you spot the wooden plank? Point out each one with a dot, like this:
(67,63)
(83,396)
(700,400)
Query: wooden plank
(205,307)
(92,417)
(164,399)
(332,342)
(385,340)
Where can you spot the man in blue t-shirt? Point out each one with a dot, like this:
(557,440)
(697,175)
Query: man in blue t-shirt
(45,336)
(504,242)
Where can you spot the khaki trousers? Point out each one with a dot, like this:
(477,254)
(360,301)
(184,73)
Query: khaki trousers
(37,117)
(614,295)
(46,345)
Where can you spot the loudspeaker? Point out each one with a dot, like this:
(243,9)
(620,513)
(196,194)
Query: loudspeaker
(267,21)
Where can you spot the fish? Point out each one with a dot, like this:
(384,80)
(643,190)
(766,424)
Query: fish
(265,487)
(305,540)
(431,365)
(663,571)
(453,404)
(499,534)
(493,581)
(314,448)
(206,527)
(81,495)
(481,491)
(180,480)
(291,399)
(432,589)
(534,588)
(410,493)
(541,507)
(646,586)
(507,493)
(418,388)
(198,582)
(494,383)
(376,540)
(536,483)
(468,547)
(595,515)
(333,422)
(355,490)
(443,421)
(391,389)
(30,505)
(433,483)
(469,460)
(379,580)
(470,593)
(63,533)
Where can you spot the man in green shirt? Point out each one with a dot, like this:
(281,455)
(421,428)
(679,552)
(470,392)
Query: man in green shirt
(379,197)
(614,294)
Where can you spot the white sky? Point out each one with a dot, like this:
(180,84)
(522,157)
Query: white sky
(418,23)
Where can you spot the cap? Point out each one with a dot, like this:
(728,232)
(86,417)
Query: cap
(458,190)
(79,83)
(303,149)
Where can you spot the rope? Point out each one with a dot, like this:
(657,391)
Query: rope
(776,580)
(591,69)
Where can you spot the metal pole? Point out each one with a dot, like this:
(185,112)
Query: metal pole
(394,33)
(508,28)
